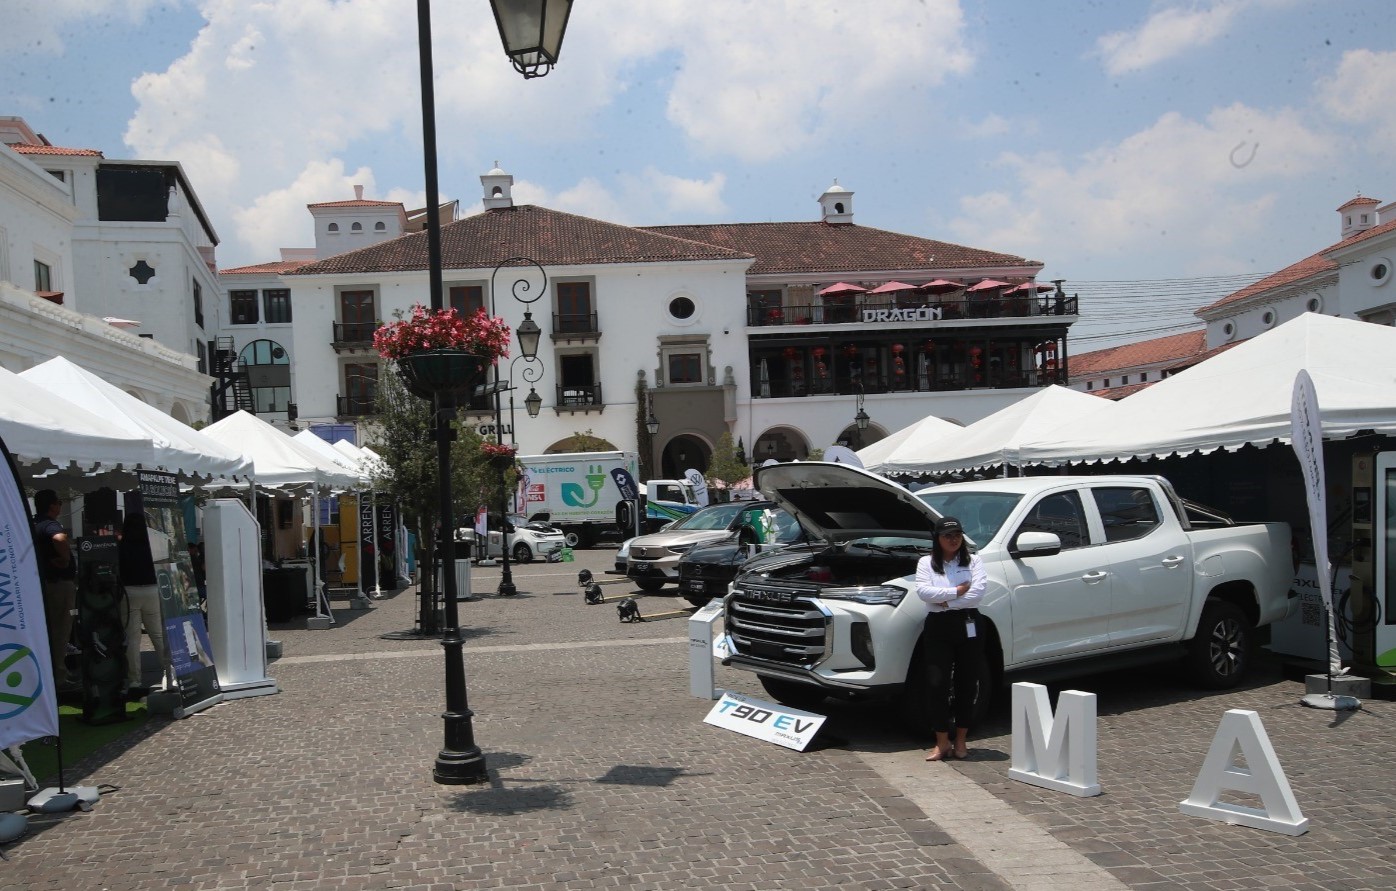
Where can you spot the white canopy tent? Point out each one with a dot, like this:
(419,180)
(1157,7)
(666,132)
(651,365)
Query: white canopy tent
(40,428)
(997,438)
(178,448)
(926,430)
(281,462)
(1243,397)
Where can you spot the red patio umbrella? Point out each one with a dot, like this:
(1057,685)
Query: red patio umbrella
(1029,286)
(941,286)
(841,288)
(892,288)
(988,284)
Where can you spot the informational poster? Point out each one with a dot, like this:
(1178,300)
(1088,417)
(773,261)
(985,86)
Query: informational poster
(186,634)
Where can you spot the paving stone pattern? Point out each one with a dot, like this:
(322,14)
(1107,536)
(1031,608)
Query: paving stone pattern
(602,775)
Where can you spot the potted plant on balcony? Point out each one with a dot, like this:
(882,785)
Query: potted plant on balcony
(440,351)
(499,455)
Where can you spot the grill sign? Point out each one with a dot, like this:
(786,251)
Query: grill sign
(765,720)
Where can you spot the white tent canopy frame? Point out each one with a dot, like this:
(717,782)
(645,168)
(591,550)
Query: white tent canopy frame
(47,431)
(178,448)
(1243,396)
(996,439)
(282,463)
(927,430)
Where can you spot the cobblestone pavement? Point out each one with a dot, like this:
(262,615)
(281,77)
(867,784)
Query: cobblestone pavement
(602,775)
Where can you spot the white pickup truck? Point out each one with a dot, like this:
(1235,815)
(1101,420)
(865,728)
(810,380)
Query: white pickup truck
(1084,573)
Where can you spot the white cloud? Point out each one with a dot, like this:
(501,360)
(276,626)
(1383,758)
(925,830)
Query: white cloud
(1171,31)
(650,197)
(1196,190)
(279,219)
(1360,91)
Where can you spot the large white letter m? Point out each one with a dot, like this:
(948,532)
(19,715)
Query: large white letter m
(1054,752)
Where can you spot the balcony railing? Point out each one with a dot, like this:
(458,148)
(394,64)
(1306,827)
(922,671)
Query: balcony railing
(580,323)
(925,383)
(921,310)
(576,396)
(354,334)
(353,406)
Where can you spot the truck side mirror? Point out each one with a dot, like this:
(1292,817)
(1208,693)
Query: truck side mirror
(625,515)
(1035,544)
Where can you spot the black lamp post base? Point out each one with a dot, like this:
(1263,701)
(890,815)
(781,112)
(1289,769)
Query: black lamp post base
(506,589)
(460,768)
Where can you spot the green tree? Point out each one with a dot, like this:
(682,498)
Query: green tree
(725,466)
(404,439)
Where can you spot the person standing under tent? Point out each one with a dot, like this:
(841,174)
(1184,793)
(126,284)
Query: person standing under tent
(137,566)
(59,572)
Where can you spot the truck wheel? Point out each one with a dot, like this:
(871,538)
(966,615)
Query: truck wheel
(523,553)
(805,697)
(649,586)
(1220,653)
(698,599)
(572,538)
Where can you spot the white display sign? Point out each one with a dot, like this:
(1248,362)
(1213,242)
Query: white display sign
(1058,751)
(766,721)
(700,650)
(1241,733)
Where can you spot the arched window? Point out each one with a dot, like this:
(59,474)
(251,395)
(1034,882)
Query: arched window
(269,372)
(357,227)
(380,226)
(334,227)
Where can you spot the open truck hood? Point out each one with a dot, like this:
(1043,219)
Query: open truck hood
(840,502)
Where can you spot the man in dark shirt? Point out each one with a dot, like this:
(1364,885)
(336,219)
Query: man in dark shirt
(59,573)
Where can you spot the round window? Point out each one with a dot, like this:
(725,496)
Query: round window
(1228,330)
(1380,271)
(682,308)
(1268,318)
(1314,304)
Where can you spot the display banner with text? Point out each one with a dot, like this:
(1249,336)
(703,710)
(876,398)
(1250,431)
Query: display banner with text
(186,635)
(767,721)
(28,701)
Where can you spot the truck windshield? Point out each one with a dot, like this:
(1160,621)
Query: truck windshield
(981,513)
(717,517)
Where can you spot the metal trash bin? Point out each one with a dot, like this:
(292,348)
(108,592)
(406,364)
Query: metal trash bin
(462,571)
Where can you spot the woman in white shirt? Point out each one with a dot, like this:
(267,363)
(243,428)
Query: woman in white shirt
(951,581)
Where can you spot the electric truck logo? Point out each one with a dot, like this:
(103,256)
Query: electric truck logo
(21,682)
(573,494)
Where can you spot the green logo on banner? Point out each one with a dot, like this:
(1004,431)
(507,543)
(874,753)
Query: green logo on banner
(20,680)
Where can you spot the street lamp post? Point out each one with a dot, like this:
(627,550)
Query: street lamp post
(529,335)
(860,420)
(532,34)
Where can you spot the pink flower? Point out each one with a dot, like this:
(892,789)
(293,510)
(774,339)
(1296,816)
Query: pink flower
(444,329)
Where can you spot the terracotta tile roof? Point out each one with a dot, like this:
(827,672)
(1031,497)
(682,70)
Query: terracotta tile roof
(25,148)
(1133,355)
(276,266)
(1189,361)
(1118,393)
(551,237)
(817,247)
(1315,264)
(1358,200)
(360,202)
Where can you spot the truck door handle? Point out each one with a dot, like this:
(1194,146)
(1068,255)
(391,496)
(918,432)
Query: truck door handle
(1091,577)
(1172,561)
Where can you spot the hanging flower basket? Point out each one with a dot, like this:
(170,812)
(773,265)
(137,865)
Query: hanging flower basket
(500,457)
(442,352)
(432,372)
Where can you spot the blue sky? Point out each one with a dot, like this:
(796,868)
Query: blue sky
(1208,140)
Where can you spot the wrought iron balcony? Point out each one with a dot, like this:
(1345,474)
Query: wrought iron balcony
(579,396)
(354,406)
(354,335)
(921,309)
(581,324)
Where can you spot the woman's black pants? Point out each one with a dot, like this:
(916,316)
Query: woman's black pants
(955,668)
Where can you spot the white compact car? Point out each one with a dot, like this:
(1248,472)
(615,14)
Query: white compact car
(527,540)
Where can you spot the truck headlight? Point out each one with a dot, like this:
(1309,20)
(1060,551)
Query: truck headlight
(868,595)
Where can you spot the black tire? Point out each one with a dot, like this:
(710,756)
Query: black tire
(523,553)
(698,599)
(1219,655)
(805,697)
(649,586)
(572,538)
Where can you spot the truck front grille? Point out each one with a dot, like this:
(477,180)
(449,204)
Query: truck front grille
(777,622)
